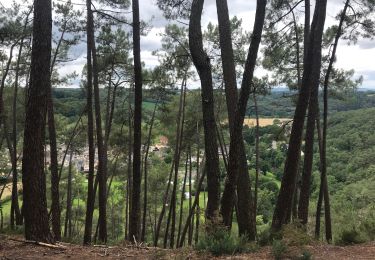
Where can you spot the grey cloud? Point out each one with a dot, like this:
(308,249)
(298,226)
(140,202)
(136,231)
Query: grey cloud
(366,44)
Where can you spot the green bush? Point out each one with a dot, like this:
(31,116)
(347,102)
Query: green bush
(279,248)
(294,235)
(306,255)
(349,237)
(264,237)
(219,241)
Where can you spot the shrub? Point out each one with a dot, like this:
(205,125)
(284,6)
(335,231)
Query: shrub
(264,237)
(350,236)
(219,241)
(279,248)
(306,255)
(294,235)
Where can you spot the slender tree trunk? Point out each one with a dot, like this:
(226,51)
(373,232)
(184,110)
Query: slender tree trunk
(55,196)
(175,158)
(90,134)
(241,179)
(246,224)
(177,164)
(320,196)
(310,79)
(129,182)
(195,204)
(190,237)
(3,78)
(327,210)
(135,211)
(257,156)
(306,29)
(102,152)
(203,66)
(145,169)
(33,175)
(55,206)
(16,216)
(303,206)
(182,198)
(68,213)
(296,32)
(197,178)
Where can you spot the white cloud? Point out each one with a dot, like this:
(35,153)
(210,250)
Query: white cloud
(359,57)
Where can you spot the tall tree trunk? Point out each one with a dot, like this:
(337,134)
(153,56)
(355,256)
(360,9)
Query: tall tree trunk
(191,226)
(176,157)
(145,169)
(245,224)
(55,206)
(203,65)
(69,200)
(129,181)
(90,134)
(176,170)
(102,153)
(15,209)
(306,29)
(33,175)
(55,196)
(327,210)
(197,178)
(257,156)
(135,211)
(310,79)
(182,198)
(241,179)
(323,194)
(303,204)
(176,165)
(195,203)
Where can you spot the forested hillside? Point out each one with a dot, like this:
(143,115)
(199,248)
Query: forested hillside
(351,143)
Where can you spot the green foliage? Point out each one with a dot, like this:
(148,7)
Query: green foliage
(279,248)
(350,236)
(219,241)
(294,235)
(264,237)
(306,255)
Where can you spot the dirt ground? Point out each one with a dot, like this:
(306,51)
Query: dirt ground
(11,249)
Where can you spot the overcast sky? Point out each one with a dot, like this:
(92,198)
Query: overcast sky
(359,57)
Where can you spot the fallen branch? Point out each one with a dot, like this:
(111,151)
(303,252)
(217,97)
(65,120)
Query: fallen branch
(38,243)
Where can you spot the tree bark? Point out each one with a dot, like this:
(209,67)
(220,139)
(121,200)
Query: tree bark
(145,170)
(55,196)
(195,204)
(245,216)
(310,79)
(303,204)
(245,223)
(102,152)
(182,198)
(33,175)
(129,181)
(191,226)
(15,209)
(327,209)
(135,211)
(176,160)
(90,135)
(203,66)
(69,200)
(257,157)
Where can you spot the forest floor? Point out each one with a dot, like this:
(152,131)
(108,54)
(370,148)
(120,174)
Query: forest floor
(15,248)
